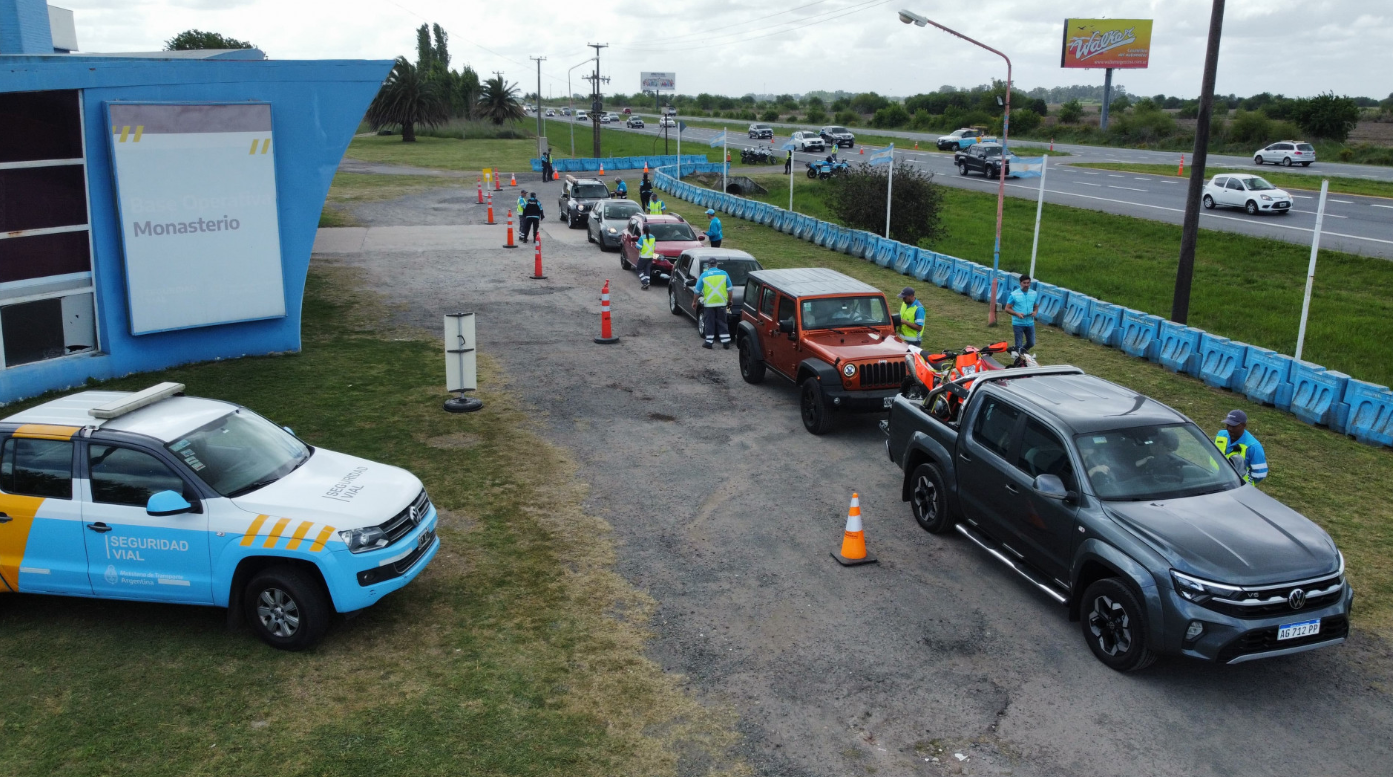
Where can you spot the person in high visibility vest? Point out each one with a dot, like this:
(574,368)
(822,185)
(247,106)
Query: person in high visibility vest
(1235,440)
(911,328)
(647,251)
(656,207)
(788,162)
(522,202)
(532,216)
(713,294)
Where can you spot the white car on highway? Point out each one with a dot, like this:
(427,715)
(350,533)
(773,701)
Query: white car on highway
(1249,192)
(808,141)
(1286,153)
(582,116)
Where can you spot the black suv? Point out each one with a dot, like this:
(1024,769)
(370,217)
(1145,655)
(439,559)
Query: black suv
(761,132)
(578,199)
(1122,510)
(984,158)
(839,137)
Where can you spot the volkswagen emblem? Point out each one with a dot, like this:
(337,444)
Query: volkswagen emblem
(415,518)
(1297,598)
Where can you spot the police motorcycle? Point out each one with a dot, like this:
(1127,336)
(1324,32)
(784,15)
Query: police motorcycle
(826,168)
(756,156)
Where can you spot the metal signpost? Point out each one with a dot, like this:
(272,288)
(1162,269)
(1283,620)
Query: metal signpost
(461,363)
(886,156)
(658,83)
(1039,208)
(1311,269)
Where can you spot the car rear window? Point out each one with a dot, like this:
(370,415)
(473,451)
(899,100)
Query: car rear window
(738,270)
(1304,147)
(621,210)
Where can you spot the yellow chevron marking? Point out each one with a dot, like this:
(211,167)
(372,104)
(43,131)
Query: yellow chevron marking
(276,533)
(253,151)
(265,144)
(324,535)
(252,530)
(125,131)
(300,533)
(139,130)
(46,432)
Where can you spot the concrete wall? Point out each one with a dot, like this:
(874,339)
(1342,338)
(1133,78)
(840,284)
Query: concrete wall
(24,27)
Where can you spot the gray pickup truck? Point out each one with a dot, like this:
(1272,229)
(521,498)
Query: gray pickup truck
(1122,510)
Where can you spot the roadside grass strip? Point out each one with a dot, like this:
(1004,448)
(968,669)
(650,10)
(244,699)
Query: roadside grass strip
(1274,176)
(351,188)
(518,651)
(1330,478)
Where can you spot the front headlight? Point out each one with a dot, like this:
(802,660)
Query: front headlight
(580,208)
(849,370)
(360,540)
(1265,197)
(1200,591)
(611,230)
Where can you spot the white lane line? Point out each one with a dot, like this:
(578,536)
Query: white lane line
(1329,215)
(1088,173)
(1163,180)
(1302,197)
(1110,175)
(1373,205)
(1344,202)
(1086,183)
(1141,179)
(1128,188)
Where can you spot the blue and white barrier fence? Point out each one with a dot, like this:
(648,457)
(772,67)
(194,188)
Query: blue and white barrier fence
(1310,392)
(689,165)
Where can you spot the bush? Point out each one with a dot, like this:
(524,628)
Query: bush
(868,102)
(792,118)
(1251,127)
(923,120)
(891,116)
(769,115)
(956,118)
(1189,109)
(1070,112)
(816,115)
(1327,116)
(1119,103)
(857,200)
(1025,121)
(847,118)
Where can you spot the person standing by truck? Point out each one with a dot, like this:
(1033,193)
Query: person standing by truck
(1235,440)
(1023,305)
(911,328)
(713,290)
(645,190)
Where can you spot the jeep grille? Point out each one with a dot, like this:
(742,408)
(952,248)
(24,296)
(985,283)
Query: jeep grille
(881,374)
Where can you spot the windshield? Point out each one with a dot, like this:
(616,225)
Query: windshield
(836,130)
(671,232)
(991,151)
(760,127)
(841,312)
(1154,462)
(590,191)
(621,210)
(239,453)
(1258,184)
(739,271)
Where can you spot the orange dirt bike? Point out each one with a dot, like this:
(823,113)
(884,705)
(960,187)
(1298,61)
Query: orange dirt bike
(928,371)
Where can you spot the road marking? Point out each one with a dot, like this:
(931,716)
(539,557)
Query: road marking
(1165,181)
(1086,183)
(1372,205)
(1128,188)
(1344,202)
(1328,215)
(1141,179)
(1302,197)
(1088,173)
(1110,175)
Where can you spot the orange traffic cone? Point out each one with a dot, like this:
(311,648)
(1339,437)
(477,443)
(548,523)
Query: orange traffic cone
(537,259)
(510,243)
(607,336)
(497,180)
(479,184)
(1181,172)
(863,151)
(1051,144)
(512,179)
(602,168)
(555,176)
(853,550)
(645,165)
(490,221)
(916,145)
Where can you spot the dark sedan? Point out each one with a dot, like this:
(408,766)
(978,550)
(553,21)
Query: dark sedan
(682,291)
(608,220)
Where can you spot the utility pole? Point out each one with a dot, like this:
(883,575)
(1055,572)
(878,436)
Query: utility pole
(1189,234)
(595,105)
(539,61)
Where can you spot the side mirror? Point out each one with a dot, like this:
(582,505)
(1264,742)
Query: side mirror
(289,431)
(167,503)
(702,237)
(691,281)
(895,319)
(1239,462)
(1050,487)
(786,326)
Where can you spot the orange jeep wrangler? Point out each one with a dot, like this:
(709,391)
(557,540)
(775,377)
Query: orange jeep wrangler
(832,335)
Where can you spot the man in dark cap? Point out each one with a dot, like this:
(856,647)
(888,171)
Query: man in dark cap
(1235,440)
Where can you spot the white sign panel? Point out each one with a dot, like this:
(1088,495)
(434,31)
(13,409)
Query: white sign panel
(653,82)
(461,356)
(196,187)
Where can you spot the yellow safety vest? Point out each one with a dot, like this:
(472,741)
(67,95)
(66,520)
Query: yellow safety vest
(655,206)
(715,291)
(645,247)
(906,314)
(1221,440)
(521,204)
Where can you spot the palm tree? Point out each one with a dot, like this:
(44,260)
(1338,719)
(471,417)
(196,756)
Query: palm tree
(498,102)
(408,97)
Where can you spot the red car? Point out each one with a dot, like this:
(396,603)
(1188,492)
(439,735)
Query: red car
(627,111)
(674,236)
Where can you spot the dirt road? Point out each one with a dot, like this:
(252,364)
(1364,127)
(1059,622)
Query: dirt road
(726,510)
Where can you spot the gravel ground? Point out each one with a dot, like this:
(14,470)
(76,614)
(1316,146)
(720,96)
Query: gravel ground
(726,510)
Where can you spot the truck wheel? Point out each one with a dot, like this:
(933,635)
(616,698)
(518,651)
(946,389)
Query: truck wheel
(929,499)
(962,168)
(816,417)
(286,608)
(751,369)
(1114,625)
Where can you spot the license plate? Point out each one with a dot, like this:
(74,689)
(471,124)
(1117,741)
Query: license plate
(427,537)
(1294,630)
(889,401)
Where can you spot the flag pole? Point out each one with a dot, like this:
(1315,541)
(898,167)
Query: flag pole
(1311,269)
(889,185)
(1039,206)
(725,161)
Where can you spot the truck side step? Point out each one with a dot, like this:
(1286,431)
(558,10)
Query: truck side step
(1020,568)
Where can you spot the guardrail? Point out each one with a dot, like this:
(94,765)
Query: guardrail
(592,165)
(1312,393)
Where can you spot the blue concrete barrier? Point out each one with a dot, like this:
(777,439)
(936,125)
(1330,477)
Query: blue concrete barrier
(803,227)
(842,244)
(1317,394)
(1006,282)
(1269,378)
(904,257)
(885,252)
(1105,324)
(923,266)
(1078,315)
(1179,348)
(961,279)
(1370,413)
(1223,362)
(856,246)
(1140,334)
(1053,302)
(819,234)
(767,214)
(943,270)
(869,244)
(784,221)
(980,284)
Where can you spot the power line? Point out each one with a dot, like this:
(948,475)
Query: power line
(670,38)
(832,16)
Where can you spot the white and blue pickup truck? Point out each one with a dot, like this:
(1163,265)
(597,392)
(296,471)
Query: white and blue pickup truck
(159,497)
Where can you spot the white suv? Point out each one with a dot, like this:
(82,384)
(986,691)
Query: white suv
(808,141)
(1249,192)
(1287,152)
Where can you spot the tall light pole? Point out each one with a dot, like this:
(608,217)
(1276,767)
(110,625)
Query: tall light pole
(570,103)
(909,17)
(595,106)
(1190,225)
(539,61)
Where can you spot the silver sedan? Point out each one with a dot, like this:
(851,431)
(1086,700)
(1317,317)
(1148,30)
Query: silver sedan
(608,220)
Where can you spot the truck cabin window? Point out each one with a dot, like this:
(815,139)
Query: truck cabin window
(1154,462)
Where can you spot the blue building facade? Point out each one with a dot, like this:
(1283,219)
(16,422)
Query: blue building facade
(65,302)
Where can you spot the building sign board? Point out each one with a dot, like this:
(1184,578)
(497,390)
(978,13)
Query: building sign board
(654,82)
(1106,43)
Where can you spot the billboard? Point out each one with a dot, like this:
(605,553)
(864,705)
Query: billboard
(196,192)
(1106,43)
(653,82)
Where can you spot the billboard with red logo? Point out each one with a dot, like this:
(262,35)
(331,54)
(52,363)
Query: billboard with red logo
(1104,43)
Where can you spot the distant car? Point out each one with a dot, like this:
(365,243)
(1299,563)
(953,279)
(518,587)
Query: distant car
(581,116)
(680,293)
(984,158)
(578,197)
(761,132)
(953,141)
(840,137)
(670,111)
(628,111)
(1287,152)
(634,122)
(808,141)
(667,121)
(551,111)
(674,235)
(565,111)
(1249,192)
(608,220)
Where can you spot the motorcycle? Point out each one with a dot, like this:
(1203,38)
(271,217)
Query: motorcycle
(930,371)
(824,169)
(756,156)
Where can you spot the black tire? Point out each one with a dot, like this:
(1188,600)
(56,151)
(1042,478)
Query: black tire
(817,419)
(751,369)
(1114,626)
(1305,164)
(672,306)
(591,238)
(701,324)
(812,173)
(1251,207)
(1208,202)
(1257,160)
(928,499)
(287,608)
(624,260)
(962,168)
(1286,161)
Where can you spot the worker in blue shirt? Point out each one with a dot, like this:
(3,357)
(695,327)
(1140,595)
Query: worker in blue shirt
(1023,304)
(621,189)
(713,294)
(713,232)
(911,328)
(1235,440)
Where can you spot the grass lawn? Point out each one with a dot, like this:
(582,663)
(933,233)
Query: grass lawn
(503,658)
(350,188)
(509,155)
(1245,288)
(1273,176)
(1331,479)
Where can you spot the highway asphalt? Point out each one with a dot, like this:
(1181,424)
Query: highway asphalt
(1354,224)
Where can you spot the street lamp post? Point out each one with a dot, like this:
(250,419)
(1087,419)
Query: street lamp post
(909,17)
(570,103)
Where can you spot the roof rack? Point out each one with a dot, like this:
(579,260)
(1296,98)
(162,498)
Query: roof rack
(119,407)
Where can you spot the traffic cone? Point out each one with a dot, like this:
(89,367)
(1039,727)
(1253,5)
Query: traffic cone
(490,221)
(853,550)
(537,260)
(1181,172)
(606,333)
(916,145)
(1051,144)
(497,181)
(512,179)
(863,151)
(555,176)
(645,165)
(479,184)
(602,169)
(510,243)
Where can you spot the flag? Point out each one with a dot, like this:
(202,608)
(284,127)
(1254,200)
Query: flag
(681,126)
(787,146)
(719,139)
(883,157)
(1027,167)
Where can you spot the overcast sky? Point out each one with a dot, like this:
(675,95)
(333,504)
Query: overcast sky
(738,46)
